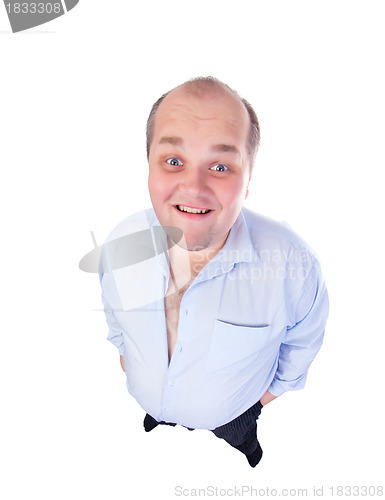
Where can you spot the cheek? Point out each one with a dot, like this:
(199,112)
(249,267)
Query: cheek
(158,188)
(231,194)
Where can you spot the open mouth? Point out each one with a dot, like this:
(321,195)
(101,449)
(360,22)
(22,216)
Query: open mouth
(190,210)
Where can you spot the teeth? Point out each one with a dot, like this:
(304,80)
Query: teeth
(192,210)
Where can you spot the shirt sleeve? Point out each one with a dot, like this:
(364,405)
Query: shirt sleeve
(303,340)
(114,335)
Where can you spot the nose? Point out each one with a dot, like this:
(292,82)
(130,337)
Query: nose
(194,182)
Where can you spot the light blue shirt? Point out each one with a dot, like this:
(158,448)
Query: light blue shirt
(252,320)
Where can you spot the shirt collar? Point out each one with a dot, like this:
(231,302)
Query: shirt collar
(238,248)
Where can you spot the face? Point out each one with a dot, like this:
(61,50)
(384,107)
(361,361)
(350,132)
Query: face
(199,165)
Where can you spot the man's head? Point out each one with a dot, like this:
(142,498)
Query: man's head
(201,141)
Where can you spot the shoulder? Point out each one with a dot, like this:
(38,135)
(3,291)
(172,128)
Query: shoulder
(268,234)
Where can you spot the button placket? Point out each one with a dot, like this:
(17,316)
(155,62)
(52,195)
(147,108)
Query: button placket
(171,382)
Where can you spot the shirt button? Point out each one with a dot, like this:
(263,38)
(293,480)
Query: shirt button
(186,312)
(171,382)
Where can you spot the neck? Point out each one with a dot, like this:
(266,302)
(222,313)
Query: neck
(185,264)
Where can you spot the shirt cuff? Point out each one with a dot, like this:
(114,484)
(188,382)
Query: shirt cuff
(278,387)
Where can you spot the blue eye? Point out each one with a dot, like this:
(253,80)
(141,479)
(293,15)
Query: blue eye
(219,168)
(174,162)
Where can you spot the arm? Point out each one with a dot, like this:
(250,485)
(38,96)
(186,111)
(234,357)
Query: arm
(114,332)
(122,363)
(304,339)
(267,398)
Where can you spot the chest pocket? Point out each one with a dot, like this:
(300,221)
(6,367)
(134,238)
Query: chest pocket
(232,344)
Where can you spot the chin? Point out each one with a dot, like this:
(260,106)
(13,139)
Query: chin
(193,244)
(191,247)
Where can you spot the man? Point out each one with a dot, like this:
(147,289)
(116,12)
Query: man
(231,312)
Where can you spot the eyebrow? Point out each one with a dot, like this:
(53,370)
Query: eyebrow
(225,148)
(218,148)
(175,141)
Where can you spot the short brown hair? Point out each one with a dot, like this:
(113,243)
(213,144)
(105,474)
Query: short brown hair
(200,84)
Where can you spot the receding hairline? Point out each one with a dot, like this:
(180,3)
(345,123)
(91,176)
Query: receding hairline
(202,87)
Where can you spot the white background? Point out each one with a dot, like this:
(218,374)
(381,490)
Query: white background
(74,99)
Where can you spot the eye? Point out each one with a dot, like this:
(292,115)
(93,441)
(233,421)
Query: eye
(219,168)
(174,162)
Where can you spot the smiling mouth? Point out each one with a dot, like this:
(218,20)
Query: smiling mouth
(190,210)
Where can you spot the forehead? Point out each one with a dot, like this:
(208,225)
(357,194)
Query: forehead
(213,114)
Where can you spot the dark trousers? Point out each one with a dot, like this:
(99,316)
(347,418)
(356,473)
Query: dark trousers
(241,433)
